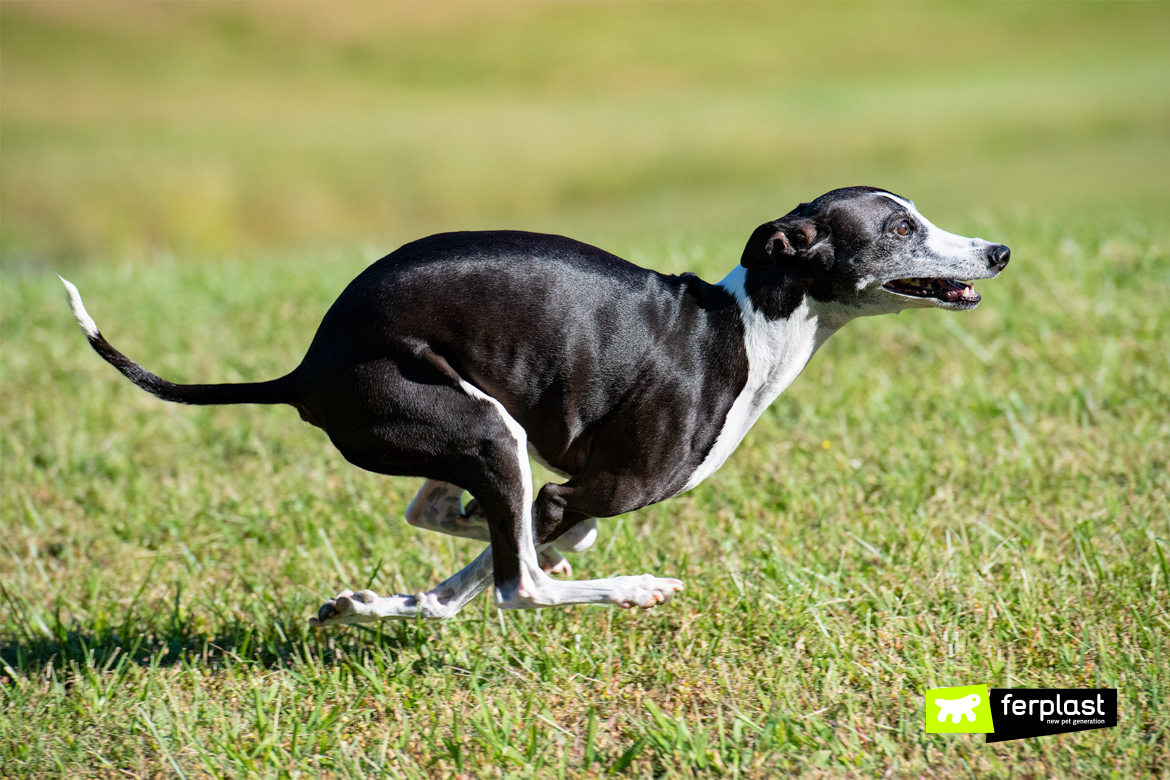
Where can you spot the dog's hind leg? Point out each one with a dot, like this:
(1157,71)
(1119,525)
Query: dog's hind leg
(384,419)
(405,416)
(438,506)
(440,602)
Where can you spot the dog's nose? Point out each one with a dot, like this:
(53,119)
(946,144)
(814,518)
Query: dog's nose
(998,256)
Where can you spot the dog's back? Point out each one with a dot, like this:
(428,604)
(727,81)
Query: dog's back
(558,331)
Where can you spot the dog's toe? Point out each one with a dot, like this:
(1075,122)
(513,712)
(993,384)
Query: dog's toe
(340,606)
(325,615)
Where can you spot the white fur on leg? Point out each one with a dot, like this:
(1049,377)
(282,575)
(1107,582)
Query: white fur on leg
(441,602)
(438,506)
(643,591)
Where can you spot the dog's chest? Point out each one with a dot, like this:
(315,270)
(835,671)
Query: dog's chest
(777,350)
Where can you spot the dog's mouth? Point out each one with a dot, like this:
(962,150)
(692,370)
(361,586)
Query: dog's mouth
(949,293)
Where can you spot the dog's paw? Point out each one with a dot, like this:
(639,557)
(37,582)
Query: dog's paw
(345,607)
(552,562)
(647,591)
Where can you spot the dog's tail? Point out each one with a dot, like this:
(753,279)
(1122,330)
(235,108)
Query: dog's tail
(278,391)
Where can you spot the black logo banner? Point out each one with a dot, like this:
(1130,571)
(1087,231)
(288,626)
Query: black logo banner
(1035,712)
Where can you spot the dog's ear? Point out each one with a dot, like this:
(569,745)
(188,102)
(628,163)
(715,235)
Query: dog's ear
(789,241)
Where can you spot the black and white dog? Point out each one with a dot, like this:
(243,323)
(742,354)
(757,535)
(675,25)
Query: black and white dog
(459,355)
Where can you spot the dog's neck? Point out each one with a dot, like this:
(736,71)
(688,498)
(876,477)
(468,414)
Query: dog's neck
(778,349)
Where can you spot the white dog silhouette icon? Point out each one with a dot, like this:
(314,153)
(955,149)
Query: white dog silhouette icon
(958,708)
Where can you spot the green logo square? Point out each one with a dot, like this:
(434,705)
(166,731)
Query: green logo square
(962,710)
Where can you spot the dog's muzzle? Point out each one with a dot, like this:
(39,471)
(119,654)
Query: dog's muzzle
(952,293)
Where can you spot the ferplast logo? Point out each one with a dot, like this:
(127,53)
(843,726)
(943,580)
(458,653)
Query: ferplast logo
(962,710)
(1019,713)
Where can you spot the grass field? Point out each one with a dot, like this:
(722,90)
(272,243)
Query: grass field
(939,500)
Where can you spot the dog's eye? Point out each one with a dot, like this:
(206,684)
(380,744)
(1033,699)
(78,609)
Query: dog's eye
(903,228)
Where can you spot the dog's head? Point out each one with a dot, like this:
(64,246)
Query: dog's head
(866,251)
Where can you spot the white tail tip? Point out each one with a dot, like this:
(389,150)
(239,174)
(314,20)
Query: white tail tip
(83,319)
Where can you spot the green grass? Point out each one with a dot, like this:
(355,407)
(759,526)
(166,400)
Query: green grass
(939,499)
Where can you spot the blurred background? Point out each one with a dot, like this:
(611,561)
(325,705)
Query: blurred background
(203,130)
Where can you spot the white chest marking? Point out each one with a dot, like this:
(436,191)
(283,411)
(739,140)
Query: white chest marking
(777,351)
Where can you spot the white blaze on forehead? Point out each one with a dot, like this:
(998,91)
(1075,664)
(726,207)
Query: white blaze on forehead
(937,240)
(901,202)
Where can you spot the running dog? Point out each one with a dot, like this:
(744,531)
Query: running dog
(458,356)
